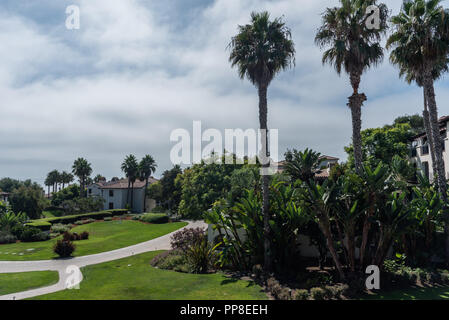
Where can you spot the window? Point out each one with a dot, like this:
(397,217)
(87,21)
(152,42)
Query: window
(425,165)
(111,205)
(90,191)
(111,193)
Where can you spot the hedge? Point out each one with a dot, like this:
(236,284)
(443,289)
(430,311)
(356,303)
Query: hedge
(42,225)
(154,218)
(47,222)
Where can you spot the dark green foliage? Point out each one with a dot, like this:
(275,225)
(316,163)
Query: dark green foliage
(70,193)
(154,218)
(28,200)
(31,234)
(7,237)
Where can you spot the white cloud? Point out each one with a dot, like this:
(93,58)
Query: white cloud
(128,77)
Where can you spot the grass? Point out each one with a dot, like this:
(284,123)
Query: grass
(418,293)
(133,278)
(103,236)
(22,281)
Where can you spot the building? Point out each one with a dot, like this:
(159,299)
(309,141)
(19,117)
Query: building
(327,162)
(4,196)
(114,194)
(420,153)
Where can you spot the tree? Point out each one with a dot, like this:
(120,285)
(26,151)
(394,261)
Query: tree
(147,167)
(28,200)
(130,167)
(99,178)
(171,193)
(354,48)
(382,144)
(420,43)
(302,165)
(82,169)
(261,50)
(66,178)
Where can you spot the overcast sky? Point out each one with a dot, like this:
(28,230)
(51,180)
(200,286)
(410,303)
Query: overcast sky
(136,70)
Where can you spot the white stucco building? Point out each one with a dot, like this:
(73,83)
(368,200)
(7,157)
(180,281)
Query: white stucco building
(420,153)
(114,194)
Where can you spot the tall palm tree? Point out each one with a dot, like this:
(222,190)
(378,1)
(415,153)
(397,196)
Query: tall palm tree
(147,167)
(412,75)
(82,169)
(66,178)
(420,42)
(54,178)
(130,167)
(261,50)
(354,48)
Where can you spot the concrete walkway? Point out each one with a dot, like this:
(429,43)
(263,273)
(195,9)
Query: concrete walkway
(68,269)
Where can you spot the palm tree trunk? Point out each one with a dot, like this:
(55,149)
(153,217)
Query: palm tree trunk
(429,134)
(265,178)
(325,227)
(435,132)
(355,104)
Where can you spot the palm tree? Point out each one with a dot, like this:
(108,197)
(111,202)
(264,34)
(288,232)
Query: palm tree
(411,75)
(82,169)
(261,50)
(147,167)
(302,164)
(420,44)
(48,183)
(66,178)
(99,178)
(130,167)
(354,48)
(53,179)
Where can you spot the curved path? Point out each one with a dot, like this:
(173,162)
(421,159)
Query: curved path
(67,273)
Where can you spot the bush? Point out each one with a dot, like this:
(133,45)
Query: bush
(154,218)
(17,230)
(171,260)
(301,294)
(6,237)
(108,219)
(67,236)
(201,256)
(186,238)
(42,225)
(60,228)
(64,248)
(32,234)
(318,293)
(84,235)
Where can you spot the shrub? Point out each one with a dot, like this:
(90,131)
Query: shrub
(318,293)
(40,224)
(284,294)
(60,228)
(274,287)
(301,294)
(108,219)
(201,256)
(64,248)
(32,234)
(54,235)
(17,230)
(154,218)
(6,237)
(84,235)
(171,260)
(184,239)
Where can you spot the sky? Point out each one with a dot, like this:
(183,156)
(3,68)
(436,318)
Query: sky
(137,70)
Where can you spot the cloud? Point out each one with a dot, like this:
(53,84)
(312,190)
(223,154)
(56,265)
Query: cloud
(137,70)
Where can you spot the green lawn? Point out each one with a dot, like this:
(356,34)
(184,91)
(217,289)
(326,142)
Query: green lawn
(134,278)
(16,282)
(435,293)
(103,236)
